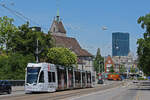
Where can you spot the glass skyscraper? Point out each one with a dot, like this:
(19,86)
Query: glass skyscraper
(120,44)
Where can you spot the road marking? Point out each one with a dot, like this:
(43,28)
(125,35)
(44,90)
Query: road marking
(99,92)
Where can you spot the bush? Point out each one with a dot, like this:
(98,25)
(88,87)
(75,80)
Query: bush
(141,78)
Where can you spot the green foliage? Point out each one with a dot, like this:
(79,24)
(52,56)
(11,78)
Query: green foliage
(13,66)
(132,70)
(6,30)
(143,48)
(18,46)
(62,56)
(99,62)
(25,41)
(141,78)
(111,70)
(122,69)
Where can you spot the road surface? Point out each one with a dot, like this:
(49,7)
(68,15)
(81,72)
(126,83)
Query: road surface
(111,90)
(127,92)
(59,95)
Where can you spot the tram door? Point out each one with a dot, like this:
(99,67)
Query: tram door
(83,79)
(70,78)
(77,79)
(88,79)
(62,78)
(51,81)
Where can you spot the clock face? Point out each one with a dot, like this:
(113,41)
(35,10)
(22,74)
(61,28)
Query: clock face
(109,61)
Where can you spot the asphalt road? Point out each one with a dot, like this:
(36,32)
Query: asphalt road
(19,90)
(127,92)
(111,90)
(19,95)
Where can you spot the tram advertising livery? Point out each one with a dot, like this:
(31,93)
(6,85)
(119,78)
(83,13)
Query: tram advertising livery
(46,77)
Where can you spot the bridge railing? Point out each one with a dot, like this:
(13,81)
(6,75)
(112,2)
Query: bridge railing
(17,82)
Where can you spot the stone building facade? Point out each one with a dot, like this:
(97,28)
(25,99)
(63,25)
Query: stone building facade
(85,59)
(127,61)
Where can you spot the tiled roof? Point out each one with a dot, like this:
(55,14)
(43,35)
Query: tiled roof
(72,44)
(59,26)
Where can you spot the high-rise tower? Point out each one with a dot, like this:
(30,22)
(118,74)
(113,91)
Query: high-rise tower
(120,44)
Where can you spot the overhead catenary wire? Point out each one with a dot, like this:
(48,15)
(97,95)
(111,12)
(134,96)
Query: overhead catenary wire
(21,16)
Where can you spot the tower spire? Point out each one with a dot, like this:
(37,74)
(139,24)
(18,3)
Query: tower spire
(57,16)
(57,11)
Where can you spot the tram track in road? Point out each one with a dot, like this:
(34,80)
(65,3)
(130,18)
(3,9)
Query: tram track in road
(84,92)
(61,94)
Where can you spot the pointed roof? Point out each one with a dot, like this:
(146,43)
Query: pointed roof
(57,26)
(72,44)
(109,60)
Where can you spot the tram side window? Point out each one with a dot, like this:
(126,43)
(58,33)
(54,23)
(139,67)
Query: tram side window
(41,80)
(51,77)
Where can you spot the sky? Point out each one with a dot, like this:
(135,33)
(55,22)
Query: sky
(84,19)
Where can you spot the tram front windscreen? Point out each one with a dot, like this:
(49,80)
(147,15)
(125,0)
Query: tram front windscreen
(32,74)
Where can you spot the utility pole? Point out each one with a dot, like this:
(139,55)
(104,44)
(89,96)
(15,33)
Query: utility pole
(99,66)
(37,51)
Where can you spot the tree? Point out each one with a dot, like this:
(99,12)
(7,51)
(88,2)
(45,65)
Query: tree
(99,62)
(132,70)
(111,70)
(62,56)
(13,66)
(122,69)
(6,32)
(143,49)
(24,41)
(18,46)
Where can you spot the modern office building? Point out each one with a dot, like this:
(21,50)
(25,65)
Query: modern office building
(120,44)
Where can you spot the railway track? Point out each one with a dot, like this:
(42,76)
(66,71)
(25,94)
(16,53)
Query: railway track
(61,94)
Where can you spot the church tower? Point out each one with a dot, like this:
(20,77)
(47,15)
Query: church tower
(57,27)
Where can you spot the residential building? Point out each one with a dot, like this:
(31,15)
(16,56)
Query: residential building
(120,44)
(127,61)
(108,64)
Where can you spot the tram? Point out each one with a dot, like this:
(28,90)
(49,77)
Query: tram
(46,77)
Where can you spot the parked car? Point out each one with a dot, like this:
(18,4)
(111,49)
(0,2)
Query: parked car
(100,81)
(5,86)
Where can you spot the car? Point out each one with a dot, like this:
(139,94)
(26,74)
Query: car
(5,86)
(100,81)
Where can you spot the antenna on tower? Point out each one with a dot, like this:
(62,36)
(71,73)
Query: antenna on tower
(57,5)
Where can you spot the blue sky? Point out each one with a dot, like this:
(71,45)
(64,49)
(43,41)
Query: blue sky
(84,19)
